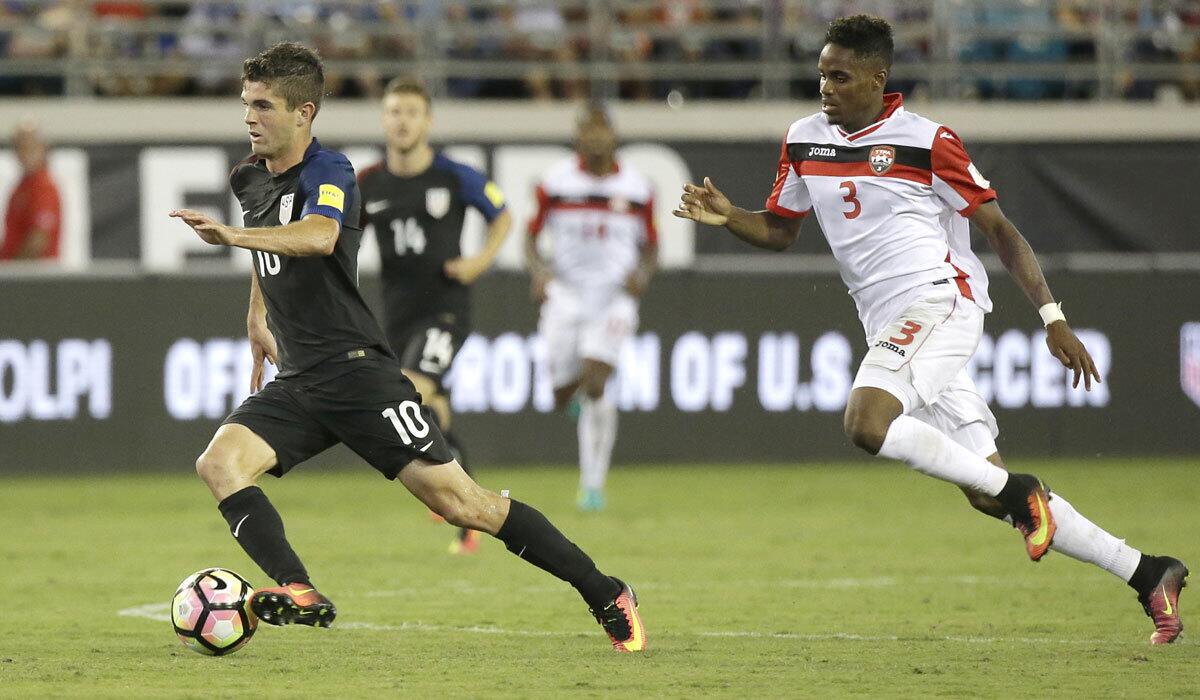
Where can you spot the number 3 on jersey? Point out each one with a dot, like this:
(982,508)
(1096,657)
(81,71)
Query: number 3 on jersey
(851,197)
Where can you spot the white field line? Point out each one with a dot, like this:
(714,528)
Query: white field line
(150,611)
(160,612)
(834,583)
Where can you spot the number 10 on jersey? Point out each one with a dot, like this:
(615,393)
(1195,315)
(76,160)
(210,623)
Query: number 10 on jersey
(408,421)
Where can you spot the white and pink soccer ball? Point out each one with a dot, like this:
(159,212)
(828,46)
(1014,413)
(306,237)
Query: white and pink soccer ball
(210,612)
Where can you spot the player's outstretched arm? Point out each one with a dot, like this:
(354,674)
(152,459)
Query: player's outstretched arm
(313,235)
(1022,264)
(469,269)
(763,229)
(262,343)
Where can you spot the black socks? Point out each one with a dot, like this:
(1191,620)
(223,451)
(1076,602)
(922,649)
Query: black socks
(256,525)
(1146,574)
(528,534)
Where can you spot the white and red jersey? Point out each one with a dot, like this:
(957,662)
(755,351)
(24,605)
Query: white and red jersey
(892,200)
(599,224)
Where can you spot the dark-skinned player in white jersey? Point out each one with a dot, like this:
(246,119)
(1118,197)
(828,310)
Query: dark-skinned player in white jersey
(416,201)
(893,193)
(338,380)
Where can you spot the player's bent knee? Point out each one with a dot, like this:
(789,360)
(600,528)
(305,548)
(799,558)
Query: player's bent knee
(864,432)
(212,467)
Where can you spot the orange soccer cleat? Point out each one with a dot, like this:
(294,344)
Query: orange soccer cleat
(1028,502)
(297,603)
(1161,601)
(466,542)
(622,622)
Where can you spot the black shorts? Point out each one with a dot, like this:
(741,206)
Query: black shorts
(360,398)
(429,345)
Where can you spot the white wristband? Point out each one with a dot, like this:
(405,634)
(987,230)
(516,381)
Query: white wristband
(1050,313)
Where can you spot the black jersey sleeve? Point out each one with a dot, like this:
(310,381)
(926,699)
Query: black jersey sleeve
(326,183)
(478,191)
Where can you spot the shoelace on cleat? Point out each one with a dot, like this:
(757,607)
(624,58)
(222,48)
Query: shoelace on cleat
(614,621)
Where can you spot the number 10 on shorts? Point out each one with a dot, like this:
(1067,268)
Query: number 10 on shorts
(408,421)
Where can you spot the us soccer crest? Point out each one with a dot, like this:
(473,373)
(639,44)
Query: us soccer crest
(1189,361)
(285,207)
(881,159)
(437,201)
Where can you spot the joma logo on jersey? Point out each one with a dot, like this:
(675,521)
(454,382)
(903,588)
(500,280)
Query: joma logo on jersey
(881,159)
(891,346)
(822,151)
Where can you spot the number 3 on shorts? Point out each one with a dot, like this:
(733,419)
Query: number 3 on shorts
(408,421)
(906,333)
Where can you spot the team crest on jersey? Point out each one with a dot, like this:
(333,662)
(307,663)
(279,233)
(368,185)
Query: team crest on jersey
(881,159)
(1189,361)
(285,207)
(437,201)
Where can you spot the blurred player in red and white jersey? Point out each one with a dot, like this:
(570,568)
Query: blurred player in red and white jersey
(598,214)
(894,193)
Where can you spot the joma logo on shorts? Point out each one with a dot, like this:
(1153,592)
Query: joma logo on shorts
(890,346)
(822,151)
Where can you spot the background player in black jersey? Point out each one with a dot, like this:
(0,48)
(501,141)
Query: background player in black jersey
(416,200)
(338,380)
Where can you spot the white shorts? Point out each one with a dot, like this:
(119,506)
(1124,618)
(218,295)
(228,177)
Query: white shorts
(576,326)
(920,358)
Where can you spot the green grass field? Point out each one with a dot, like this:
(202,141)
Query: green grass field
(755,581)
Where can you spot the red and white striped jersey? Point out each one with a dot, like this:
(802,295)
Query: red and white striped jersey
(598,224)
(892,200)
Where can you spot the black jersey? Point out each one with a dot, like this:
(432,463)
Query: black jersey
(314,309)
(418,222)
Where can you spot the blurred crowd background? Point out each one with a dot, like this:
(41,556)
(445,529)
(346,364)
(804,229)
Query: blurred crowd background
(632,49)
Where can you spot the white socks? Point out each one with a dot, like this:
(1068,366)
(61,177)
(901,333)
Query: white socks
(1079,538)
(597,433)
(932,452)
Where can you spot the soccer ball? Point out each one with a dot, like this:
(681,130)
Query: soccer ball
(210,612)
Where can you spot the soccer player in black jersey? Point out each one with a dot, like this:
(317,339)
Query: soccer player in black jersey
(415,201)
(338,381)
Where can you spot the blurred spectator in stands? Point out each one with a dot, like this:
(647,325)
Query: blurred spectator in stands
(118,31)
(33,217)
(631,44)
(477,35)
(1166,34)
(540,35)
(212,41)
(1012,31)
(40,33)
(340,31)
(807,23)
(1078,20)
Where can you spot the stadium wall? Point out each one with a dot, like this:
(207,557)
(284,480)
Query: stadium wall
(135,372)
(127,355)
(1066,197)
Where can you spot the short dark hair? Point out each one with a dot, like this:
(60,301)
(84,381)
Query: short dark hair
(292,70)
(408,85)
(867,36)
